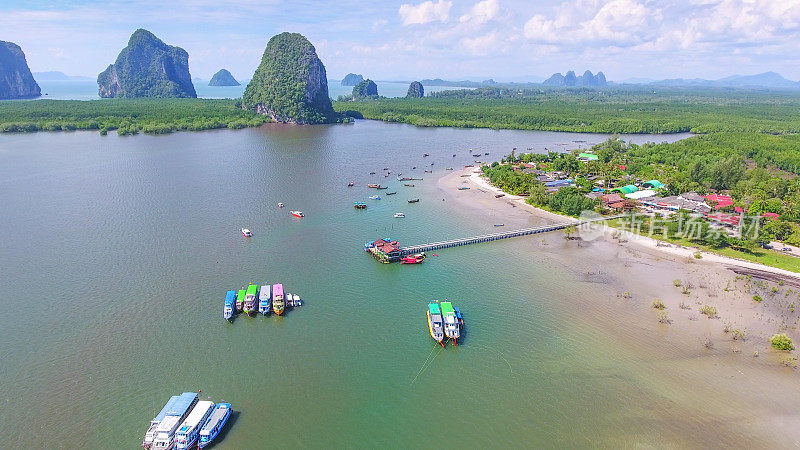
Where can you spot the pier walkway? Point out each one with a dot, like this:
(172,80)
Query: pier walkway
(404,251)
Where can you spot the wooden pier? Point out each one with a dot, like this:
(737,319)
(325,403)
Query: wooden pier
(404,251)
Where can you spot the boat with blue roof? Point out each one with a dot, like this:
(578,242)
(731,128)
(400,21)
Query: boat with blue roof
(230,300)
(175,412)
(214,424)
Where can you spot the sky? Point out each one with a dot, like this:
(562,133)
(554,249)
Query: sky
(508,40)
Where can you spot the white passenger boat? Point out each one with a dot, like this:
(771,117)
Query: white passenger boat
(161,432)
(264,295)
(246,232)
(399,215)
(189,431)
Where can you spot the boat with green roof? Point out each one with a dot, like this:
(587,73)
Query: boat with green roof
(251,299)
(240,300)
(435,322)
(452,327)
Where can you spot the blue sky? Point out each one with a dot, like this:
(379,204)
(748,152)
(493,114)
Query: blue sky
(411,39)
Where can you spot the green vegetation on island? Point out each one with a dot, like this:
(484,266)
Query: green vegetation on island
(147,67)
(366,89)
(16,80)
(125,116)
(290,84)
(415,90)
(622,110)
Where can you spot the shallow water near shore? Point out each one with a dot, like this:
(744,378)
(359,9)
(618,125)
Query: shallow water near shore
(117,252)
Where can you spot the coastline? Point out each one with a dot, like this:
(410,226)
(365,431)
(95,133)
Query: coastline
(726,283)
(722,353)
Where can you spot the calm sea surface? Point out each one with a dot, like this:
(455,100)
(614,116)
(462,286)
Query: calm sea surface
(87,89)
(116,253)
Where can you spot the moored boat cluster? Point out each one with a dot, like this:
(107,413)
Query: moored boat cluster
(262,300)
(185,422)
(444,322)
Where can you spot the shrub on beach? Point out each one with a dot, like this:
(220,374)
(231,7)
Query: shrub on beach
(757,298)
(658,304)
(709,310)
(782,342)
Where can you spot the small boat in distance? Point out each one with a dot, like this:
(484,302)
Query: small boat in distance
(359,205)
(373,185)
(399,214)
(246,232)
(214,424)
(391,193)
(280,205)
(452,328)
(296,300)
(486,154)
(435,326)
(458,316)
(350,184)
(463,188)
(372,173)
(448,168)
(264,297)
(499,224)
(374,197)
(382,187)
(499,195)
(230,299)
(428,171)
(413,200)
(425,155)
(297,213)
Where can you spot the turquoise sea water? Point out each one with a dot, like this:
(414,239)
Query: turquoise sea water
(117,253)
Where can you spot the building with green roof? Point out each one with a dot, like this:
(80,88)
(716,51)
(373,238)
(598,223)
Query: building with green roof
(629,189)
(653,184)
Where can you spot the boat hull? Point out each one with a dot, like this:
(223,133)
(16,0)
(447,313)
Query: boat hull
(201,444)
(438,339)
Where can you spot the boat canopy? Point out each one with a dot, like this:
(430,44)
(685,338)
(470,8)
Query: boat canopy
(230,298)
(252,289)
(169,406)
(182,404)
(264,293)
(240,296)
(447,308)
(277,290)
(433,307)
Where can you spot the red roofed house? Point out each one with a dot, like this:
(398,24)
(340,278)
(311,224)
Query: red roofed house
(721,201)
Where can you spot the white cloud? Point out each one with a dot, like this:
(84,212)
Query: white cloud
(425,12)
(618,22)
(482,12)
(482,45)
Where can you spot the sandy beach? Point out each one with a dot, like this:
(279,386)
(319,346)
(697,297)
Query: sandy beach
(628,275)
(645,269)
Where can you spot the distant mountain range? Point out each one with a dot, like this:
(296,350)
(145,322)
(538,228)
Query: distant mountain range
(766,80)
(762,80)
(55,75)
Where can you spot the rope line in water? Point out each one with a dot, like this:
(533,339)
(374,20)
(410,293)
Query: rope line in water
(427,363)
